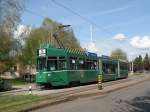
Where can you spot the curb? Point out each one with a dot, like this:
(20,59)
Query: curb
(59,100)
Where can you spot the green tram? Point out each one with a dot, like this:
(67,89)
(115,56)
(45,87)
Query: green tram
(113,69)
(63,67)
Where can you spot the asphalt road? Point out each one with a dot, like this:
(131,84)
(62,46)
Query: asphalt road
(132,99)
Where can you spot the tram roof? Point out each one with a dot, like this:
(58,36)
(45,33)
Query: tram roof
(108,59)
(68,52)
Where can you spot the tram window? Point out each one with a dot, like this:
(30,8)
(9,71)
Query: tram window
(123,66)
(62,63)
(81,64)
(73,63)
(41,63)
(52,63)
(113,68)
(88,64)
(91,64)
(95,65)
(109,68)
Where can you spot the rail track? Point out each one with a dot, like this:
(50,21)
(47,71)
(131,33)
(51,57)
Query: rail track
(62,91)
(86,88)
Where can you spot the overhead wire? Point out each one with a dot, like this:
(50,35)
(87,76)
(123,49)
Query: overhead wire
(42,16)
(75,13)
(82,17)
(34,13)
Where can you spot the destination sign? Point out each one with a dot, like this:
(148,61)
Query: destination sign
(91,54)
(42,52)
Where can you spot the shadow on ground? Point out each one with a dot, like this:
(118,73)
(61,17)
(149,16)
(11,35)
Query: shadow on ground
(138,104)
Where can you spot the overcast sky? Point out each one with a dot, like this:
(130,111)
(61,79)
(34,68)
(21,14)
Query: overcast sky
(121,24)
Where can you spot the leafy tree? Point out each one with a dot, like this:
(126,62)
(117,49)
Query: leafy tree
(146,62)
(138,63)
(6,44)
(135,62)
(45,35)
(140,59)
(64,35)
(10,12)
(36,37)
(119,54)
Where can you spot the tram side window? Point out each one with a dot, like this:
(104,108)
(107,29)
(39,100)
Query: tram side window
(73,63)
(62,63)
(94,65)
(109,68)
(81,64)
(41,63)
(91,65)
(52,63)
(123,66)
(88,64)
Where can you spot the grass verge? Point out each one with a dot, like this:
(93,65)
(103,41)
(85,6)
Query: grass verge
(14,103)
(19,82)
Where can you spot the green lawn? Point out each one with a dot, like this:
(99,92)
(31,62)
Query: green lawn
(19,82)
(13,103)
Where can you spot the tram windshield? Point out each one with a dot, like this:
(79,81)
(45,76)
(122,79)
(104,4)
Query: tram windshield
(52,63)
(56,63)
(41,63)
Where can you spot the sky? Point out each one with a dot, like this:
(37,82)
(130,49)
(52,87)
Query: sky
(117,23)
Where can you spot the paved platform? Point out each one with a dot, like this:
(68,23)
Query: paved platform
(135,98)
(61,98)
